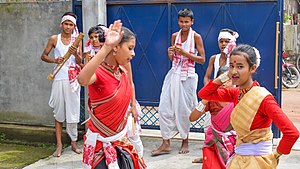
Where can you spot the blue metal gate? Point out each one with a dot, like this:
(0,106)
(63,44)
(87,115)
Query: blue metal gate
(153,22)
(77,9)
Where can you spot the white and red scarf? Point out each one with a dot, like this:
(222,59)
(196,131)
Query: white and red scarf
(74,68)
(187,65)
(73,72)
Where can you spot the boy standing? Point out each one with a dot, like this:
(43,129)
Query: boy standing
(178,96)
(64,99)
(218,60)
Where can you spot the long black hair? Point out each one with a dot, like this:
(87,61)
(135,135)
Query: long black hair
(222,69)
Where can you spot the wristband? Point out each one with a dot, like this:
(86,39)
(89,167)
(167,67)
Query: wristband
(224,77)
(200,107)
(276,154)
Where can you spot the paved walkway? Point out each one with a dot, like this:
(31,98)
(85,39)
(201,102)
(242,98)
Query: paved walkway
(151,140)
(71,160)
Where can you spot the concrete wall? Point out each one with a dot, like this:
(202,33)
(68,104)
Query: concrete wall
(25,27)
(291,6)
(291,38)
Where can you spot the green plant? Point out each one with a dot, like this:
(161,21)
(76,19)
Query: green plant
(2,137)
(287,18)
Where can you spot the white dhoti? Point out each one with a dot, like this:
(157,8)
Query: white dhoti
(65,103)
(177,100)
(66,106)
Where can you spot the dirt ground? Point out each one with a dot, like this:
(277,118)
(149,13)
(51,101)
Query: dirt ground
(291,104)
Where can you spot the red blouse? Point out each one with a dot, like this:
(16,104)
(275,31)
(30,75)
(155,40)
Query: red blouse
(113,111)
(268,111)
(104,86)
(213,107)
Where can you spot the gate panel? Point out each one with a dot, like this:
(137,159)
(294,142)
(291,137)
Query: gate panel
(259,33)
(150,64)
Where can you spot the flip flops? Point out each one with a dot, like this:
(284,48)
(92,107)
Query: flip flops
(183,152)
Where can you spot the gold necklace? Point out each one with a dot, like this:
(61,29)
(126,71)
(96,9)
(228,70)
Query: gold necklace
(115,70)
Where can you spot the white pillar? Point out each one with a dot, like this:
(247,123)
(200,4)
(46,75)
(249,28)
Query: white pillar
(93,13)
(102,12)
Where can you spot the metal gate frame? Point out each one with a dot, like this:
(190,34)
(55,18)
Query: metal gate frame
(278,7)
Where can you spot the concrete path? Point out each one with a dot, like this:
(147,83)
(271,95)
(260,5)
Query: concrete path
(151,140)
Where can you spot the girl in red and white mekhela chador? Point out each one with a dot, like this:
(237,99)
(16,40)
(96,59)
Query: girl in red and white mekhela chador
(110,94)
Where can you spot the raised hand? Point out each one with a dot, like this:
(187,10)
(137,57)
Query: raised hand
(114,34)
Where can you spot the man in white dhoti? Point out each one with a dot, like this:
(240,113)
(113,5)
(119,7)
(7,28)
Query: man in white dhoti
(179,95)
(65,93)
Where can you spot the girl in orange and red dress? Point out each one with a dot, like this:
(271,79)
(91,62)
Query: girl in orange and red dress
(255,110)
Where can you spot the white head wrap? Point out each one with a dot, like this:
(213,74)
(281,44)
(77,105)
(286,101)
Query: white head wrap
(73,20)
(68,17)
(225,35)
(232,42)
(257,57)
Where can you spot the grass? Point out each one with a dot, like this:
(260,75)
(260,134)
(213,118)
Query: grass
(18,152)
(14,155)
